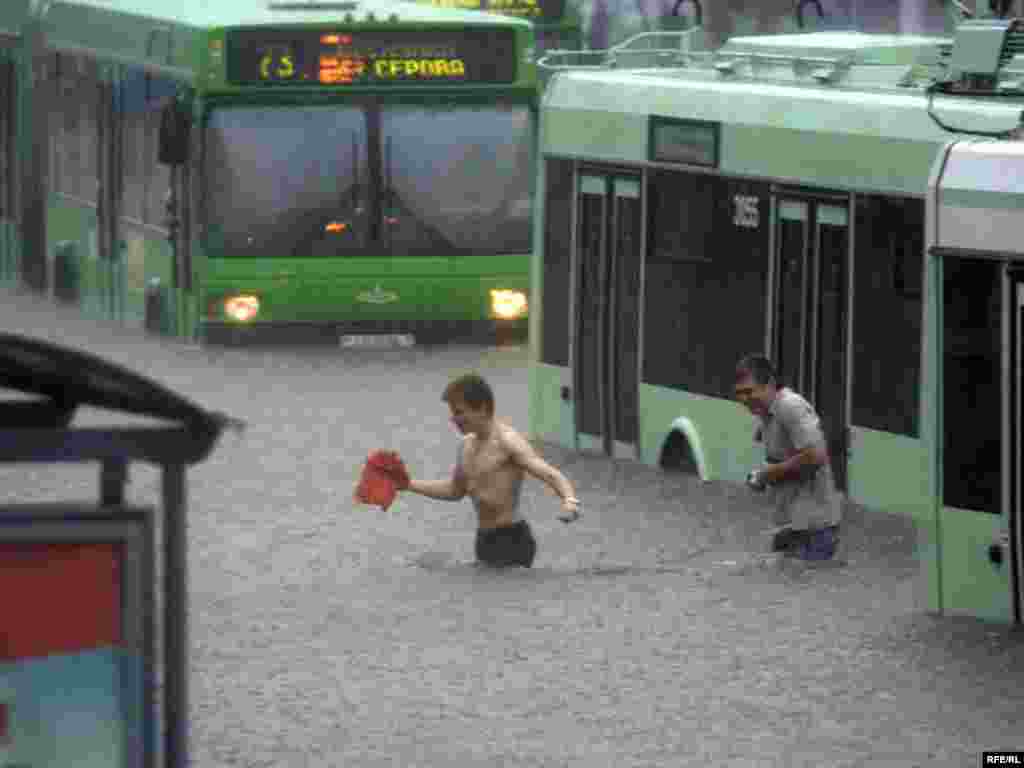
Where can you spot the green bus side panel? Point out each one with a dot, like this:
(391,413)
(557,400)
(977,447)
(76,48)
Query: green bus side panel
(551,417)
(725,430)
(889,472)
(130,36)
(599,135)
(967,587)
(10,253)
(68,222)
(147,257)
(109,291)
(828,160)
(13,15)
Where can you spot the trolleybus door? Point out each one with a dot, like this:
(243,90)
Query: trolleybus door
(810,339)
(606,312)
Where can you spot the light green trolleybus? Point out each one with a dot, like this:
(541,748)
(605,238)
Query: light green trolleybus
(765,197)
(271,170)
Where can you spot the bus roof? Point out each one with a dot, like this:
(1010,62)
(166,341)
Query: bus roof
(859,47)
(881,112)
(210,14)
(985,171)
(802,119)
(840,82)
(170,37)
(979,193)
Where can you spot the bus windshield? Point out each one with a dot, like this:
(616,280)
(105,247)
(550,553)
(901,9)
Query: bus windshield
(368,180)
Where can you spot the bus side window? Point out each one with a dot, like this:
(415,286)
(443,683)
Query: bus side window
(174,135)
(887,313)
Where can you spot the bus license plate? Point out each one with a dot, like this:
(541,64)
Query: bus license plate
(378,340)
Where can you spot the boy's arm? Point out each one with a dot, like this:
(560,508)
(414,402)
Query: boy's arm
(444,490)
(452,489)
(525,456)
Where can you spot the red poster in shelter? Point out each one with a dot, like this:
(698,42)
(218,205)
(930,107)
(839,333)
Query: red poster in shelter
(58,598)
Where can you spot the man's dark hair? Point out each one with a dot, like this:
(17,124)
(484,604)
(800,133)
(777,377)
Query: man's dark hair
(759,368)
(472,390)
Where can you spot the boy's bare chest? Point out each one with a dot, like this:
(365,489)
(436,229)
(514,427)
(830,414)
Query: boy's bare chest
(487,460)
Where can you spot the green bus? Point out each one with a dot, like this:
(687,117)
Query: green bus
(972,380)
(238,171)
(768,197)
(556,23)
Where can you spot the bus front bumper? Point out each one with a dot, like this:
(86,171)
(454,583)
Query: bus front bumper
(421,332)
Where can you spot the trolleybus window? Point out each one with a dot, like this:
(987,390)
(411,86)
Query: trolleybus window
(554,348)
(887,313)
(369,180)
(972,385)
(705,279)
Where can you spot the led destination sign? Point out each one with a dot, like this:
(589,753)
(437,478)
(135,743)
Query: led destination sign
(371,57)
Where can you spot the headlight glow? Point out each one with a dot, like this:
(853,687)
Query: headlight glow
(508,305)
(242,308)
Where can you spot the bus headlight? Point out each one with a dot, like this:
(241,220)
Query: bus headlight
(241,308)
(508,305)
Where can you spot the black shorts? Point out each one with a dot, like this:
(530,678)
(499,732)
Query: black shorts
(507,545)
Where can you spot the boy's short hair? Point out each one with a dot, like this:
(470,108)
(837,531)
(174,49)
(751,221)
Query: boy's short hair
(471,389)
(757,367)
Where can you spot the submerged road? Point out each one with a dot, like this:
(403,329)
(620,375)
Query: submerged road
(650,633)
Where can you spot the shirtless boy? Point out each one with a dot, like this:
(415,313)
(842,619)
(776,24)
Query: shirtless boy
(489,468)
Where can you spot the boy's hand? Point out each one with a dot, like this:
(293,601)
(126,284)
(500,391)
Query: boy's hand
(390,463)
(570,510)
(399,474)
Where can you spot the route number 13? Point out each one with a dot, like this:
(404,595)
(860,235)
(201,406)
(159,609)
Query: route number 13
(747,214)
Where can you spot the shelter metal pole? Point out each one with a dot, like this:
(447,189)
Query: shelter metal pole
(113,478)
(175,617)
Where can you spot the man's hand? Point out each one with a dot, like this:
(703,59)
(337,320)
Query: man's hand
(570,510)
(756,481)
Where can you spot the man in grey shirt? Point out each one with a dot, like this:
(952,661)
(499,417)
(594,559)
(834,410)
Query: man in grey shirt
(798,469)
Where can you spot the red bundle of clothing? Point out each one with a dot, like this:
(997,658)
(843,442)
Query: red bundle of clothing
(383,476)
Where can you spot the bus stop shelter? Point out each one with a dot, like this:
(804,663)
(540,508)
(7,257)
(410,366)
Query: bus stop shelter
(78,656)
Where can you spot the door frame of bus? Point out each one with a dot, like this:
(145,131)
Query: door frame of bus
(604,180)
(809,365)
(1013,450)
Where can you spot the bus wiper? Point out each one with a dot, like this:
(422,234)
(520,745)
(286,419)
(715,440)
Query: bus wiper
(397,212)
(390,219)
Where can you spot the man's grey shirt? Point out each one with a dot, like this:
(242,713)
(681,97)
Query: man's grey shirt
(790,426)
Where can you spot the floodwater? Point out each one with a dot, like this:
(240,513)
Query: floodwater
(655,631)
